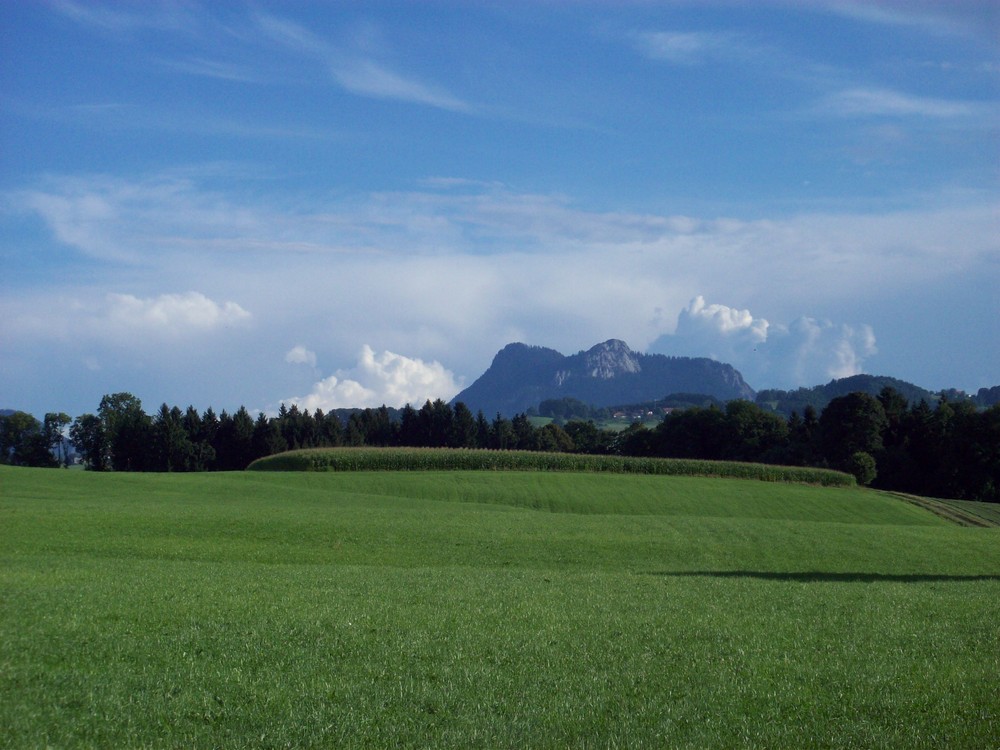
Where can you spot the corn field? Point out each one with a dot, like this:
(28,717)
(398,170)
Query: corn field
(446,459)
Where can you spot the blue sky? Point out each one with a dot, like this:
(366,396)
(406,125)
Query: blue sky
(345,204)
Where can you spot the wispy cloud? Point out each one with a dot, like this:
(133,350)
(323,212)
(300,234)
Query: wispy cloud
(368,78)
(356,72)
(222,70)
(875,102)
(118,18)
(964,18)
(352,69)
(692,47)
(114,116)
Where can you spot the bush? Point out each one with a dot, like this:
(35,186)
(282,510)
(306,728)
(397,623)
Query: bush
(862,466)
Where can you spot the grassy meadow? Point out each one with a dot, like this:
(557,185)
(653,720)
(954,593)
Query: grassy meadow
(488,609)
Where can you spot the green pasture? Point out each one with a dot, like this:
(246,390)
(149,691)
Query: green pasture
(488,610)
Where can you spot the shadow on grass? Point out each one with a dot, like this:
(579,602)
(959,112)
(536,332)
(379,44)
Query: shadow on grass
(824,577)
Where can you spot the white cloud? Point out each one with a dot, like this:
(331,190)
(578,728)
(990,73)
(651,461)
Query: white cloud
(929,16)
(170,313)
(122,319)
(113,19)
(299,355)
(368,78)
(804,353)
(358,73)
(725,320)
(387,378)
(453,275)
(816,350)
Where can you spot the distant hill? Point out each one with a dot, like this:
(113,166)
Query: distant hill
(785,402)
(523,376)
(988,396)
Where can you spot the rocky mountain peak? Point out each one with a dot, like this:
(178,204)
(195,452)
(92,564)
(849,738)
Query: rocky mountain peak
(610,359)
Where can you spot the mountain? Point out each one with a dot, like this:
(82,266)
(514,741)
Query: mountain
(523,376)
(785,402)
(988,396)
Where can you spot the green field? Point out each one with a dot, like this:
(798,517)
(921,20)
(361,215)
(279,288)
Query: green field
(488,609)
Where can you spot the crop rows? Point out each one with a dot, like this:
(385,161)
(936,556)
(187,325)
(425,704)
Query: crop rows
(443,459)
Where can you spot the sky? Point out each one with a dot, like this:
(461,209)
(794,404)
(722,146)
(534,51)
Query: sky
(356,203)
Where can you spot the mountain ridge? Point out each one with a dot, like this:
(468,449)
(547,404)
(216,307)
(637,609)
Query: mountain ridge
(522,376)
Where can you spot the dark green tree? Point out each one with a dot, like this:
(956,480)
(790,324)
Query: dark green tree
(754,434)
(54,428)
(588,438)
(355,434)
(692,433)
(502,435)
(127,430)
(242,445)
(554,439)
(24,442)
(437,423)
(267,437)
(849,424)
(88,437)
(172,449)
(635,440)
(482,430)
(331,431)
(464,433)
(525,438)
(409,427)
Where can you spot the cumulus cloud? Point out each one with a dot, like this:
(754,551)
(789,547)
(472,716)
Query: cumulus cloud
(171,313)
(805,352)
(727,321)
(299,355)
(121,319)
(377,379)
(810,351)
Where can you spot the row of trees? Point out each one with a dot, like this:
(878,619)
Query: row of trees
(24,441)
(122,437)
(952,450)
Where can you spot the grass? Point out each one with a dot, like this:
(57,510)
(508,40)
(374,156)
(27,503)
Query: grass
(475,609)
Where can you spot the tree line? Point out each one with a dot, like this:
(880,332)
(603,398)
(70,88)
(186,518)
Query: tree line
(950,450)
